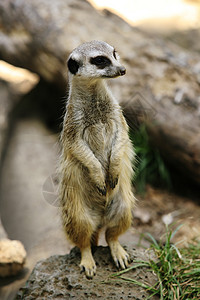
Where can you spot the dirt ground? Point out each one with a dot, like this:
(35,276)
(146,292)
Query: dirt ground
(158,208)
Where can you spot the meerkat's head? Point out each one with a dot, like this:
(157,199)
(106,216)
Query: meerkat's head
(95,60)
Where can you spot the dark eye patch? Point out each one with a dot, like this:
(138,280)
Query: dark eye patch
(73,66)
(100,61)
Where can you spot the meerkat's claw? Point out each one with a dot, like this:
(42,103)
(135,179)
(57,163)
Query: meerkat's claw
(82,269)
(119,255)
(101,190)
(121,262)
(90,271)
(87,264)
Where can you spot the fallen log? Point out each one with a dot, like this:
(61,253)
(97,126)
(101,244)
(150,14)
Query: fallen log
(162,81)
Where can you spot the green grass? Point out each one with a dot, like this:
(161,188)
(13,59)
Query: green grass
(150,166)
(177,270)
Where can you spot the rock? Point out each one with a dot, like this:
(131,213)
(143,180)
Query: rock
(12,257)
(59,277)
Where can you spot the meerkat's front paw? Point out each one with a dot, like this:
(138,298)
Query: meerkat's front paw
(98,178)
(119,255)
(113,180)
(88,266)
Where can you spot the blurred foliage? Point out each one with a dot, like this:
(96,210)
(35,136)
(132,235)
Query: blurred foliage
(150,166)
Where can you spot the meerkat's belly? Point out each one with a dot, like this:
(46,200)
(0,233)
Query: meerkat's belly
(100,137)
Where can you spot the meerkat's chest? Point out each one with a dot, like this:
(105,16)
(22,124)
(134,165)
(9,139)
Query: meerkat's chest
(101,121)
(97,112)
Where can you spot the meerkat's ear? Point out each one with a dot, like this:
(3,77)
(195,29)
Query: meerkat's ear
(73,65)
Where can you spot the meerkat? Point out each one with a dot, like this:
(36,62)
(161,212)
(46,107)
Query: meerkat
(96,159)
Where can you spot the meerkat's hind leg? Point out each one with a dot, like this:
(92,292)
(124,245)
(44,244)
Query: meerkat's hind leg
(87,264)
(95,237)
(119,255)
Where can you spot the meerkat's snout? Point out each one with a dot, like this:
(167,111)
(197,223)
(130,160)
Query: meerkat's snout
(122,70)
(119,71)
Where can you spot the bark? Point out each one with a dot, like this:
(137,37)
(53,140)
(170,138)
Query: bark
(162,81)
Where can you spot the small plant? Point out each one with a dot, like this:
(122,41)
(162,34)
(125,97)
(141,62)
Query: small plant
(150,166)
(177,270)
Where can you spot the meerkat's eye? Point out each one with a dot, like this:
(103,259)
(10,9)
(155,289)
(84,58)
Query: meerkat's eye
(114,54)
(100,61)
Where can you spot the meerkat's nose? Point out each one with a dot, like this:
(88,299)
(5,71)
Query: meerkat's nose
(122,70)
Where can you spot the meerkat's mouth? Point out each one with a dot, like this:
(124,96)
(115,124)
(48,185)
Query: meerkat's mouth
(112,76)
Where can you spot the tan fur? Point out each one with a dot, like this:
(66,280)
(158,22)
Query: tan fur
(96,159)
